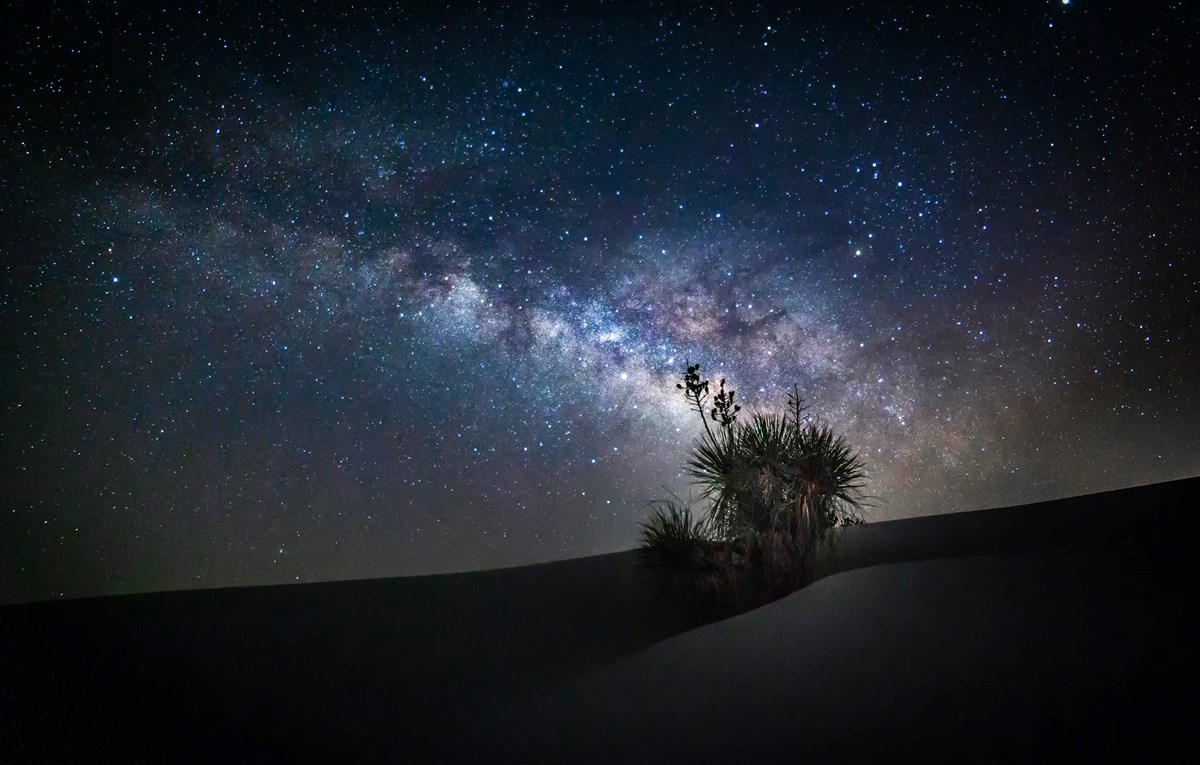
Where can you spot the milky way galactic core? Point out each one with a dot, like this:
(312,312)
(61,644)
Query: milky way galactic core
(298,294)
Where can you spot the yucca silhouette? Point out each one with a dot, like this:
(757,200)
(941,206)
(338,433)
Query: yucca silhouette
(774,485)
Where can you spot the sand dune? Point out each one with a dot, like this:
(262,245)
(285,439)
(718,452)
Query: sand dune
(976,656)
(1062,627)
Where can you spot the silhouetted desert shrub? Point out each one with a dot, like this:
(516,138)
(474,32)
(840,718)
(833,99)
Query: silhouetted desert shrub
(775,486)
(671,536)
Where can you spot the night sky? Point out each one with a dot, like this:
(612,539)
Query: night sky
(301,295)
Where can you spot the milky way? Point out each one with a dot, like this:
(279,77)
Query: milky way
(296,295)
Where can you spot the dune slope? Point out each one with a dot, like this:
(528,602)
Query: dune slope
(1003,656)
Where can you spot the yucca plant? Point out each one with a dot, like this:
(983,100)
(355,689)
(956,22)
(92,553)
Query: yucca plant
(775,486)
(679,554)
(672,537)
(778,472)
(831,476)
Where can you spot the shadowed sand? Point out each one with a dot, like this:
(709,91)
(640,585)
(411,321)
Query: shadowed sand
(1058,628)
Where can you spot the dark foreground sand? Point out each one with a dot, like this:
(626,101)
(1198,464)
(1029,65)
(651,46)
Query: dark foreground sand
(1062,629)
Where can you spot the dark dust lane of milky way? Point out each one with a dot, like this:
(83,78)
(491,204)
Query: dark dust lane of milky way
(302,294)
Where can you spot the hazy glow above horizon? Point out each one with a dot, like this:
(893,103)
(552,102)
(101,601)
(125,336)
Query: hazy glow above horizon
(319,296)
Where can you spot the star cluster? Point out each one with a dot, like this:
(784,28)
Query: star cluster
(300,295)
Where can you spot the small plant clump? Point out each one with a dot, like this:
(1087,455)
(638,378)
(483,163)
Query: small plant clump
(775,485)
